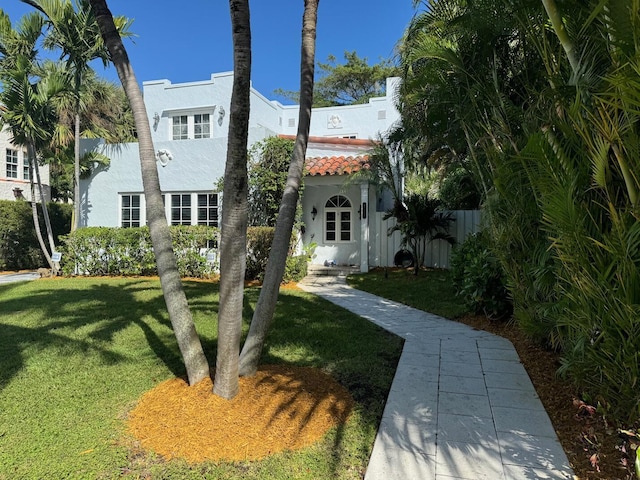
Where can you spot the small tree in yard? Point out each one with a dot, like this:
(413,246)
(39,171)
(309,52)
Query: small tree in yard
(268,166)
(422,222)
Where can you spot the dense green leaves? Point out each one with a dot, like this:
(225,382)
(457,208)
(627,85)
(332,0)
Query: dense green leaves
(542,100)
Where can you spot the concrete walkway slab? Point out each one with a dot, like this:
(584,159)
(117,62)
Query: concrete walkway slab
(461,405)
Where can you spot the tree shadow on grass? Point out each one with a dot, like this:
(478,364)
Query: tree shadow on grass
(51,315)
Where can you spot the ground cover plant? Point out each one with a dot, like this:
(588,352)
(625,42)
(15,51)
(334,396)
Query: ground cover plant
(77,353)
(596,449)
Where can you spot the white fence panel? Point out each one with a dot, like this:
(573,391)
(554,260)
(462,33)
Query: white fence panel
(384,247)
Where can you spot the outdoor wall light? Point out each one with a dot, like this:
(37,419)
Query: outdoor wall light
(156,120)
(164,156)
(314,212)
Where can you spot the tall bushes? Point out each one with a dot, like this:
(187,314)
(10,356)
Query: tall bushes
(19,247)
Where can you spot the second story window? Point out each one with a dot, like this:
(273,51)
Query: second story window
(189,126)
(180,127)
(202,126)
(12,163)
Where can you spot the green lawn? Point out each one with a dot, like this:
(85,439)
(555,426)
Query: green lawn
(76,354)
(430,290)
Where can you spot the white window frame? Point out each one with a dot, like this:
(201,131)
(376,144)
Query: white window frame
(202,125)
(129,223)
(210,209)
(193,123)
(179,214)
(213,208)
(333,214)
(12,158)
(180,122)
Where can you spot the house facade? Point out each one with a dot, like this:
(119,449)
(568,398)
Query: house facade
(189,124)
(14,171)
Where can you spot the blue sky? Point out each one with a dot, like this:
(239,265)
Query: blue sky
(186,41)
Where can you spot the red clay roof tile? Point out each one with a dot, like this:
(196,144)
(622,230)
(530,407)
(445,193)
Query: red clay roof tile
(335,165)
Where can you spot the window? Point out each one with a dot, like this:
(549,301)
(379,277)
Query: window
(25,173)
(12,163)
(208,209)
(192,126)
(180,128)
(201,126)
(181,209)
(130,211)
(184,208)
(338,219)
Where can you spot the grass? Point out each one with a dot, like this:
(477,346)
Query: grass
(430,290)
(76,354)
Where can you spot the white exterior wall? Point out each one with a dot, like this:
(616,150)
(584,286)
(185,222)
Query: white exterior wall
(197,164)
(7,185)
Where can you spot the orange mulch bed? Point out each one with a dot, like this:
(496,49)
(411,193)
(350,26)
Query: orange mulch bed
(281,408)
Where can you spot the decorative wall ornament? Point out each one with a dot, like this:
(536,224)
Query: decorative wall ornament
(164,157)
(221,113)
(334,121)
(156,121)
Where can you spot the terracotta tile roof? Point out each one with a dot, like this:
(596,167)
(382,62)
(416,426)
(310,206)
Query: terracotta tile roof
(335,165)
(353,142)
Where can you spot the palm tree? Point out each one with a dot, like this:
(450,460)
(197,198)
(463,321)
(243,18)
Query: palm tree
(266,305)
(28,106)
(76,33)
(233,239)
(175,298)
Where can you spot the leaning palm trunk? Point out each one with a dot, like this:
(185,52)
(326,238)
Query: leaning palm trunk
(175,298)
(233,239)
(266,306)
(34,209)
(43,201)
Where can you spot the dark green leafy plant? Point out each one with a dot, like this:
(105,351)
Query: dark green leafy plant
(479,279)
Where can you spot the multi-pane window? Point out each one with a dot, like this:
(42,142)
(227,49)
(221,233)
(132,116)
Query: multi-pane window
(181,209)
(12,163)
(208,209)
(130,211)
(180,127)
(201,126)
(338,219)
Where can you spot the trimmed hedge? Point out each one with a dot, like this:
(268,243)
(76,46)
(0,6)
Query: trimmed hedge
(98,251)
(19,248)
(109,251)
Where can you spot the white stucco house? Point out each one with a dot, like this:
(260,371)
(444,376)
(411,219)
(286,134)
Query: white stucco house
(14,171)
(189,126)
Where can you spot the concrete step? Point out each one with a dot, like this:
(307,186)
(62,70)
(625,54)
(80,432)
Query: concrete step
(331,270)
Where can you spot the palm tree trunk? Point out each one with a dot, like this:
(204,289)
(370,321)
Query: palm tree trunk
(76,169)
(43,199)
(34,207)
(175,298)
(266,306)
(233,236)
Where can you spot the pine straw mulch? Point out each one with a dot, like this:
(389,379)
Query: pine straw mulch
(596,449)
(281,408)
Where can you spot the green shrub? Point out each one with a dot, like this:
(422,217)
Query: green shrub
(259,240)
(19,248)
(478,278)
(128,251)
(295,268)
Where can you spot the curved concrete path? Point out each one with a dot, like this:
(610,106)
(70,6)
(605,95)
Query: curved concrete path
(461,405)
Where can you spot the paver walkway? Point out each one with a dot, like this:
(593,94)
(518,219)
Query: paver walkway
(461,405)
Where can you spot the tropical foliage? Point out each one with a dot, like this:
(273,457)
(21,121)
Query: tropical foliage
(543,102)
(268,165)
(350,83)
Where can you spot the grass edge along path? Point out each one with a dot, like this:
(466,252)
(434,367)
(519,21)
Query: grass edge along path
(77,354)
